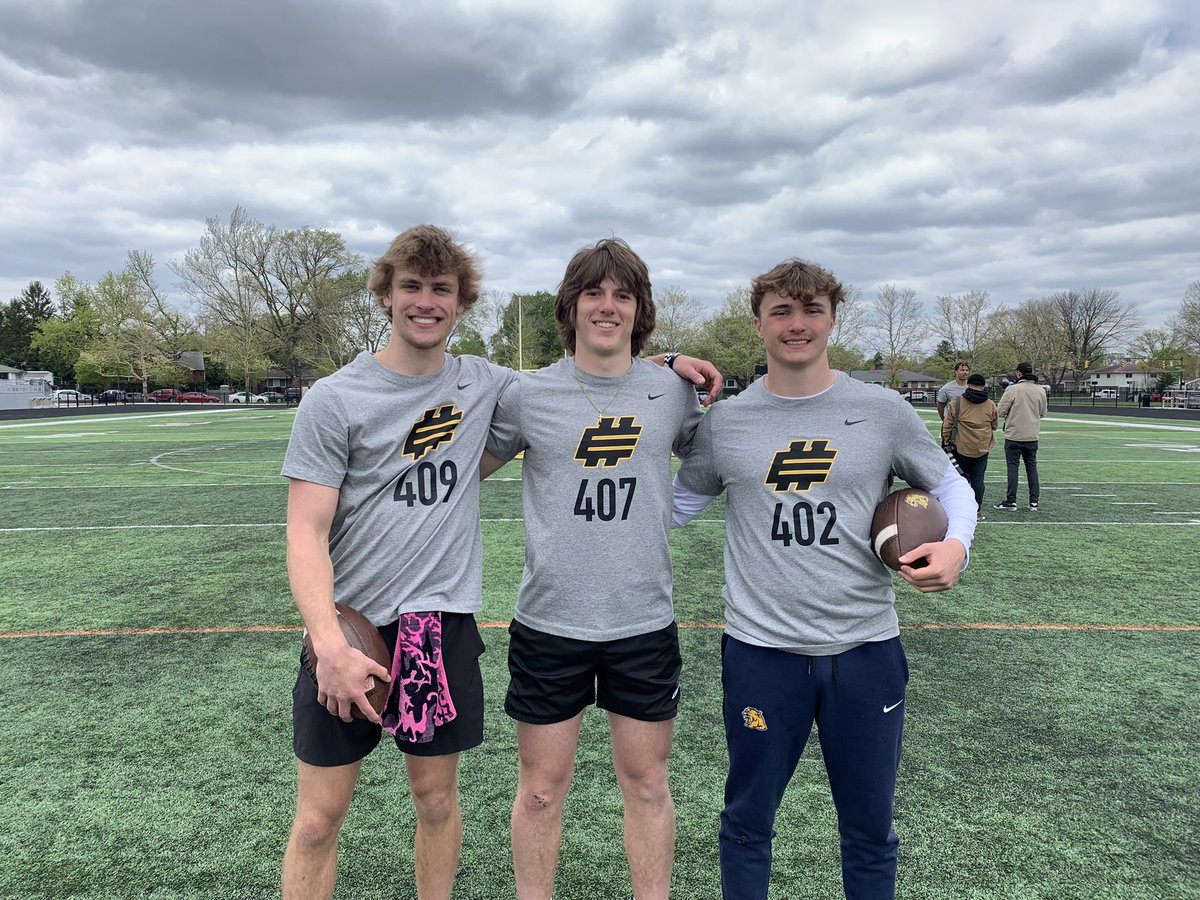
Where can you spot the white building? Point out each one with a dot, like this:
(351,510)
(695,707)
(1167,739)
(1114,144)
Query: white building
(1126,376)
(22,390)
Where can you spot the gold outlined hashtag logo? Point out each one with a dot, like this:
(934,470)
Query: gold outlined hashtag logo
(800,466)
(608,442)
(434,428)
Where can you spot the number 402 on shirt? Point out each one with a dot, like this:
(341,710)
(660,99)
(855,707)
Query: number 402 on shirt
(604,501)
(802,523)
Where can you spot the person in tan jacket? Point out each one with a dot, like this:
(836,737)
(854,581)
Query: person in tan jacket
(1022,407)
(969,424)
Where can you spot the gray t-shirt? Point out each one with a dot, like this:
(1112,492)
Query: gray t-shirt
(403,452)
(597,495)
(802,478)
(949,391)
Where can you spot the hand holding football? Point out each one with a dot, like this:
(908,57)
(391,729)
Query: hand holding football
(364,637)
(903,521)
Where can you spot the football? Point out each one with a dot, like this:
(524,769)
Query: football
(903,521)
(363,636)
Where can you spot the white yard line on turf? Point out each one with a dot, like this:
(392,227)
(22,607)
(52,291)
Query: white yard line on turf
(128,417)
(276,483)
(1110,423)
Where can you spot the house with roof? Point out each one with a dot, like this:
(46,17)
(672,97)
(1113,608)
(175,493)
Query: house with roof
(906,379)
(192,362)
(1126,375)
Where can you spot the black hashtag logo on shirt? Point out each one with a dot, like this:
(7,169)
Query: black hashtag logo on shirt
(434,428)
(800,466)
(608,442)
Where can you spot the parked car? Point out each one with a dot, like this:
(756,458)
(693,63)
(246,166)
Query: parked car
(272,397)
(137,397)
(197,397)
(1105,394)
(72,398)
(163,395)
(114,396)
(917,396)
(240,397)
(292,395)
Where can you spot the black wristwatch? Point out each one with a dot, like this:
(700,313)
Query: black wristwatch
(669,360)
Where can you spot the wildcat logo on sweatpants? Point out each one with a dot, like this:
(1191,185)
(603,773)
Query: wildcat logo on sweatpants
(754,719)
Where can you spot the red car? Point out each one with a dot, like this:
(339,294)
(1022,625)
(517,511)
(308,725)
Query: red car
(162,395)
(197,397)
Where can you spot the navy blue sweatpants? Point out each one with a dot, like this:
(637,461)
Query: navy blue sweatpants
(772,698)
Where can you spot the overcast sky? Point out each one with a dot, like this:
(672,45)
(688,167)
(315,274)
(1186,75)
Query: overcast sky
(1015,147)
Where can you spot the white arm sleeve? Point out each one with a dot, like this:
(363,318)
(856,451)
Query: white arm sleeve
(688,504)
(957,498)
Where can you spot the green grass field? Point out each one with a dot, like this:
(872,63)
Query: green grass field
(149,645)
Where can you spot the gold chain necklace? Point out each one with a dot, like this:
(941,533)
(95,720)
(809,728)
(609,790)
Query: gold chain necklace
(599,410)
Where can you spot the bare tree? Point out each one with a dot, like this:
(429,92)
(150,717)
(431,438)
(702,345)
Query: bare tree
(678,321)
(853,321)
(219,276)
(1093,322)
(299,286)
(899,325)
(1185,325)
(272,287)
(1153,344)
(175,329)
(962,321)
(350,322)
(1032,332)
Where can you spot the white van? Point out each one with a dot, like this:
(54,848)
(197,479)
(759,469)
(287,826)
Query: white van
(1106,394)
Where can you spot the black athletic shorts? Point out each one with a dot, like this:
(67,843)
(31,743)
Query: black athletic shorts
(320,738)
(552,678)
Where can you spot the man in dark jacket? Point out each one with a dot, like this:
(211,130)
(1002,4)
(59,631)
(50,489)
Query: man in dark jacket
(968,425)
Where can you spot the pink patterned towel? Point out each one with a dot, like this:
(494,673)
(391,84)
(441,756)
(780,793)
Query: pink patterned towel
(419,696)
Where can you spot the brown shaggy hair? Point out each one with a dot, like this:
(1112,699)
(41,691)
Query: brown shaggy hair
(798,280)
(427,251)
(610,258)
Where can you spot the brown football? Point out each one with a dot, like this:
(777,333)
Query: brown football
(903,521)
(363,636)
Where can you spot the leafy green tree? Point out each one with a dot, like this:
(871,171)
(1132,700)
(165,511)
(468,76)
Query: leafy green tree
(729,340)
(19,319)
(59,342)
(468,335)
(139,333)
(526,336)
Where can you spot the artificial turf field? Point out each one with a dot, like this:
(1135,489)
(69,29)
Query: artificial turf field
(149,644)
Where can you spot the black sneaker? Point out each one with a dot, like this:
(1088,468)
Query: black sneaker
(1006,506)
(1033,506)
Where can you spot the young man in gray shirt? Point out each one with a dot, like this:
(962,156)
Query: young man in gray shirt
(594,621)
(951,389)
(383,516)
(804,456)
